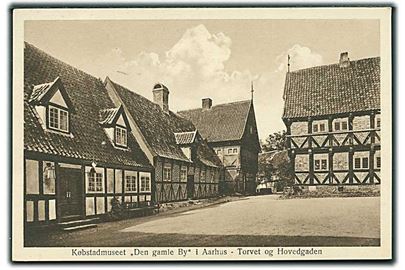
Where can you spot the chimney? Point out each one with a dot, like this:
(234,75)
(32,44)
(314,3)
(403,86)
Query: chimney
(344,60)
(161,96)
(206,103)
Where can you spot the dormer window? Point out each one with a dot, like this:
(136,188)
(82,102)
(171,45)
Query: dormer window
(116,126)
(58,118)
(121,136)
(53,105)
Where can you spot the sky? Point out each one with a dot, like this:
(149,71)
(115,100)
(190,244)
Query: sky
(196,59)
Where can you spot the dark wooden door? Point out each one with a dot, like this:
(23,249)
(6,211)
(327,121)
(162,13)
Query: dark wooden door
(70,192)
(190,186)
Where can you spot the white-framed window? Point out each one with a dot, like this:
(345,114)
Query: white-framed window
(361,162)
(230,150)
(130,182)
(320,164)
(120,136)
(58,118)
(167,174)
(95,182)
(318,127)
(235,150)
(145,182)
(340,125)
(218,151)
(183,174)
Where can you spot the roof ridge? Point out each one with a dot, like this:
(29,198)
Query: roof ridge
(132,92)
(218,105)
(330,65)
(148,100)
(60,61)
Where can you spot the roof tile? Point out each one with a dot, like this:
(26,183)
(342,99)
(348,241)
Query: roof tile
(332,89)
(224,122)
(88,96)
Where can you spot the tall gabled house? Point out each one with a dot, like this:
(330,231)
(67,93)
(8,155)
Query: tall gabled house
(332,115)
(79,152)
(231,130)
(184,165)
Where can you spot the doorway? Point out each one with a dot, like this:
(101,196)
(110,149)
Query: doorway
(190,186)
(70,193)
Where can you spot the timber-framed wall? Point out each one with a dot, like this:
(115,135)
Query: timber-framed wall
(335,157)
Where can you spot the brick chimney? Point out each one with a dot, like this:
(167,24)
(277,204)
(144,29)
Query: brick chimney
(344,60)
(161,96)
(206,103)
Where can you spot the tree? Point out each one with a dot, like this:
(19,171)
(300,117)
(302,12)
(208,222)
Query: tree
(275,141)
(274,162)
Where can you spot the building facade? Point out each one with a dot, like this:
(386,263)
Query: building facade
(332,116)
(231,130)
(185,167)
(79,152)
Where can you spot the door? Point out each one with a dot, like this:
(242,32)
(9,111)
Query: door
(190,186)
(70,192)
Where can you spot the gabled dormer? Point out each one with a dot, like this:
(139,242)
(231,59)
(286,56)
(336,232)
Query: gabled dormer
(187,141)
(116,126)
(53,105)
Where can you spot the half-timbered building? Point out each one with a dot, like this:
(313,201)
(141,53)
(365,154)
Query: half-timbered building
(185,166)
(231,130)
(332,115)
(79,152)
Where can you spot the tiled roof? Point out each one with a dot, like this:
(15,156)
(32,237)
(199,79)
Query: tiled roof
(88,96)
(185,137)
(108,116)
(40,90)
(332,89)
(225,122)
(41,93)
(159,128)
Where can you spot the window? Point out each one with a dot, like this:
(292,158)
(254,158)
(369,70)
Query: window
(218,151)
(357,163)
(377,121)
(337,126)
(361,163)
(378,162)
(230,151)
(167,174)
(120,136)
(321,127)
(145,183)
(183,175)
(315,128)
(365,162)
(324,164)
(320,164)
(318,127)
(130,182)
(235,150)
(344,125)
(340,125)
(95,181)
(202,177)
(58,119)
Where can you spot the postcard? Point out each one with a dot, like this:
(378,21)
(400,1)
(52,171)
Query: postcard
(195,134)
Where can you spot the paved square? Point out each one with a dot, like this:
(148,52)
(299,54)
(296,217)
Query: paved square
(267,215)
